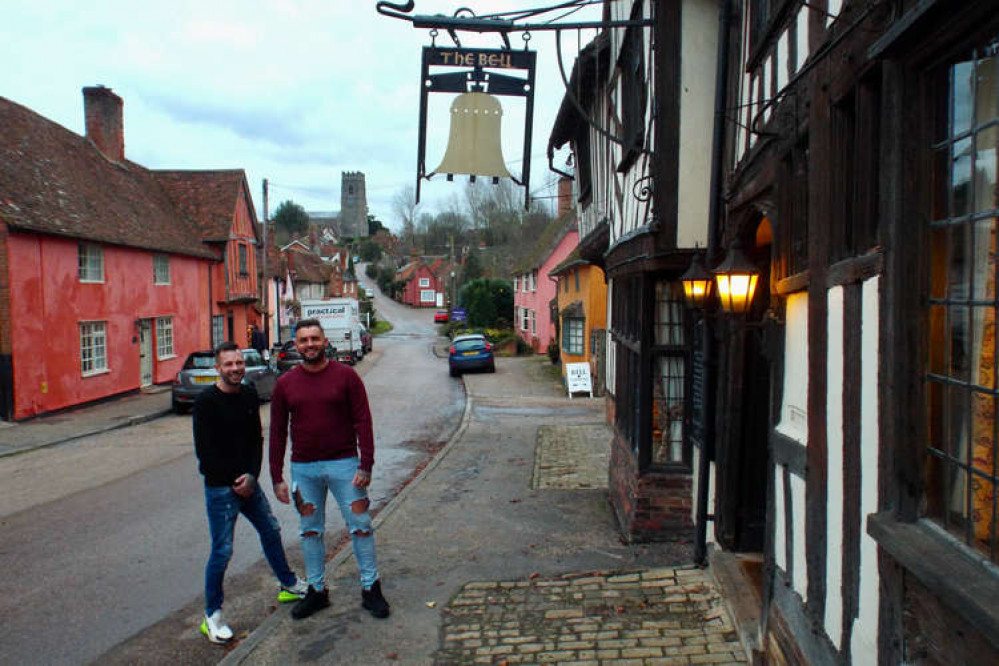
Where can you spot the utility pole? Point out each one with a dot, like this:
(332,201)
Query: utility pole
(266,277)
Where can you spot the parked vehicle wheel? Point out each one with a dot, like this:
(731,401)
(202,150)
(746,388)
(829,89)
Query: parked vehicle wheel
(180,407)
(454,373)
(491,368)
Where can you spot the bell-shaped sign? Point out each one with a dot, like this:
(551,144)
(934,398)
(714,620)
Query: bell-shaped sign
(473,146)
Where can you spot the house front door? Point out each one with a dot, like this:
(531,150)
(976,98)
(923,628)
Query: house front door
(145,352)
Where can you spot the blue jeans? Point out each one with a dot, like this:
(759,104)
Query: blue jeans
(224,506)
(312,481)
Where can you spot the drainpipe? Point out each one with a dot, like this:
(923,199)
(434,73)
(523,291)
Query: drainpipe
(714,216)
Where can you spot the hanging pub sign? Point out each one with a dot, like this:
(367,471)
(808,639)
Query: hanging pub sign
(474,145)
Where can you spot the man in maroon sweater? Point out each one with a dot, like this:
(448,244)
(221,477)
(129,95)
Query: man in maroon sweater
(332,450)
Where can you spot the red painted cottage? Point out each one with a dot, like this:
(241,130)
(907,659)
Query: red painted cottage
(420,285)
(103,284)
(110,273)
(220,206)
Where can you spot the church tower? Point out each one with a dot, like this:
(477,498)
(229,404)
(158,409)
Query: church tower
(353,205)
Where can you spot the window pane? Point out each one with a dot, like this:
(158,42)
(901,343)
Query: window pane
(668,410)
(986,93)
(957,336)
(985,169)
(961,96)
(960,175)
(958,273)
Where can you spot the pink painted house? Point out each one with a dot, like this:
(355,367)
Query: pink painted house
(534,293)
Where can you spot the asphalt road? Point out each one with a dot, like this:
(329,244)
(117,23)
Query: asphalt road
(89,564)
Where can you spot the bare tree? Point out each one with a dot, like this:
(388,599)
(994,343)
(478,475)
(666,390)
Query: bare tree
(405,207)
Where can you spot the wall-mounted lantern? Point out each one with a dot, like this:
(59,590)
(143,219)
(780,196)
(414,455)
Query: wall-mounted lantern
(697,282)
(736,277)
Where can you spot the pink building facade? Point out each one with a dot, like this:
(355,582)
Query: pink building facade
(534,292)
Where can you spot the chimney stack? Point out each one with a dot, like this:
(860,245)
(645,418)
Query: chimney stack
(564,195)
(105,128)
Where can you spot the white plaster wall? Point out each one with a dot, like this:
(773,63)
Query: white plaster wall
(794,408)
(767,94)
(834,443)
(800,575)
(696,462)
(783,54)
(780,536)
(834,8)
(802,54)
(864,640)
(698,59)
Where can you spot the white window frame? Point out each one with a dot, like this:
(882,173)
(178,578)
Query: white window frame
(524,319)
(161,268)
(428,296)
(218,330)
(424,282)
(90,262)
(516,282)
(93,348)
(534,323)
(534,280)
(164,338)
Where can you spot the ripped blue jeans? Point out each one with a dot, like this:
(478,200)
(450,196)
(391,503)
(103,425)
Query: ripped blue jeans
(310,483)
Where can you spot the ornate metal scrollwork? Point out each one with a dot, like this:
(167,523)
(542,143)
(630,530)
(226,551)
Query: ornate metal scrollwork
(643,188)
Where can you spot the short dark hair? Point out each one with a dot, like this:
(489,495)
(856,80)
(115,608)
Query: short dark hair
(228,345)
(307,323)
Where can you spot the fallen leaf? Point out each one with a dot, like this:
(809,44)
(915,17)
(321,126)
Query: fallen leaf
(534,575)
(431,604)
(392,655)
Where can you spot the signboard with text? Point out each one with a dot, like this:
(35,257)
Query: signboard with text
(458,314)
(577,378)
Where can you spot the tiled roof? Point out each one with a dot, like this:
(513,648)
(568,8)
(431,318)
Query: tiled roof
(546,243)
(207,198)
(574,259)
(53,181)
(309,267)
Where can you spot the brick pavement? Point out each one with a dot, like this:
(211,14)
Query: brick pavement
(571,457)
(645,617)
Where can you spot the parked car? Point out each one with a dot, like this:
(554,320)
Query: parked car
(198,373)
(470,352)
(440,317)
(260,374)
(366,338)
(286,357)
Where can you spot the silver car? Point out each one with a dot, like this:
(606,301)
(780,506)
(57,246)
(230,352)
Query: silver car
(198,373)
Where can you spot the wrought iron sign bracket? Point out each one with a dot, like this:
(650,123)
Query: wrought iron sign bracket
(483,75)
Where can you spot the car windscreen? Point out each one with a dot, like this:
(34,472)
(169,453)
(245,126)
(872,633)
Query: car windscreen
(252,358)
(469,345)
(205,361)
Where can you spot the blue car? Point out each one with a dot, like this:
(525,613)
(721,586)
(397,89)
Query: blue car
(470,352)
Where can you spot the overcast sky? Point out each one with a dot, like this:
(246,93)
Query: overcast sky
(295,91)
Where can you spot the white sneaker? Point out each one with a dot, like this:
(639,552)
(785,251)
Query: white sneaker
(293,592)
(215,628)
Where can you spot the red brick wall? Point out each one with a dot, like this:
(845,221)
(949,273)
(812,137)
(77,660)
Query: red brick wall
(650,506)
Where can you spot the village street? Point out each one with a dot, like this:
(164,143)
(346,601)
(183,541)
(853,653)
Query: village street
(106,535)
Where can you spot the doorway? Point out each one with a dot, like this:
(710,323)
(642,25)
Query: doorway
(145,352)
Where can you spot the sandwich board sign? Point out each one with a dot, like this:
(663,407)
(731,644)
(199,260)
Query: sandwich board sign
(577,378)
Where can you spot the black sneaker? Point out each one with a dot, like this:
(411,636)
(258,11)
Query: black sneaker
(374,602)
(314,600)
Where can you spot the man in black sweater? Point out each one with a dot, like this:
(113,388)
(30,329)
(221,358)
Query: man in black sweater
(229,445)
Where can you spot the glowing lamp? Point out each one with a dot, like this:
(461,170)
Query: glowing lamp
(736,278)
(697,283)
